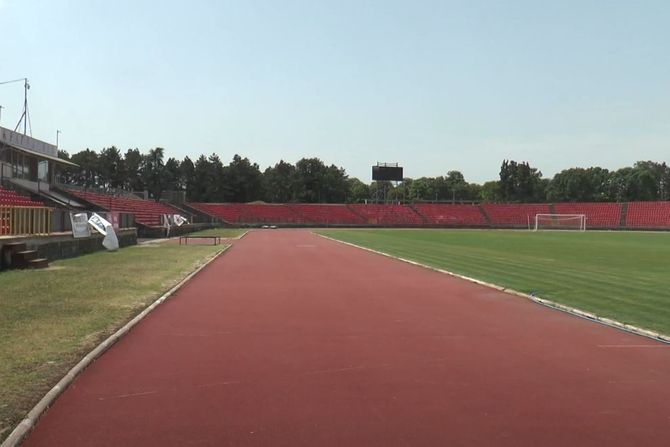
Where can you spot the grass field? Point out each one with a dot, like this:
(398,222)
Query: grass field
(50,318)
(620,275)
(219,232)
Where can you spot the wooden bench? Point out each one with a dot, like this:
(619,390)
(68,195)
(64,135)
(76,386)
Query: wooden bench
(216,240)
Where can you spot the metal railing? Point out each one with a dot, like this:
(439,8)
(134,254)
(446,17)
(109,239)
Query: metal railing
(25,220)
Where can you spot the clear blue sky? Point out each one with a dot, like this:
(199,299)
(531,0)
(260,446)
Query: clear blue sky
(434,85)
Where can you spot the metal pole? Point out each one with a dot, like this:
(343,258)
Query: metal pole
(26,86)
(58,132)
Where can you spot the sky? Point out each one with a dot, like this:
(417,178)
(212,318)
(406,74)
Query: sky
(433,85)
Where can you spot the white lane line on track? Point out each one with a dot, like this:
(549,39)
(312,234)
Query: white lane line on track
(634,346)
(350,368)
(124,396)
(229,382)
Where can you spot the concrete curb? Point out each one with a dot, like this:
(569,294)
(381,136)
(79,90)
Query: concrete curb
(544,302)
(28,423)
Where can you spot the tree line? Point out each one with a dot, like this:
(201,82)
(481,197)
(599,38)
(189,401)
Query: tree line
(519,182)
(310,180)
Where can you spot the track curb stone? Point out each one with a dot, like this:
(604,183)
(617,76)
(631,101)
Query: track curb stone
(28,423)
(544,302)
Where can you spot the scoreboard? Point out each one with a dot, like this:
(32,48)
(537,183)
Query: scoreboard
(387,171)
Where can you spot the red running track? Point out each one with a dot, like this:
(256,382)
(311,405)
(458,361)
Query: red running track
(293,340)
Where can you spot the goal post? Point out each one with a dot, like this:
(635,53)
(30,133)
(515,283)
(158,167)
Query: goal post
(560,222)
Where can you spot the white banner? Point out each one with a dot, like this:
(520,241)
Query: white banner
(99,224)
(80,226)
(110,242)
(179,220)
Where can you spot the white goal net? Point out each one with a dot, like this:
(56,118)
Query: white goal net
(560,222)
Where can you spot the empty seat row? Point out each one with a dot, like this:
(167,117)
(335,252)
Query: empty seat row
(513,214)
(648,215)
(147,212)
(245,213)
(598,215)
(391,215)
(327,214)
(12,198)
(451,215)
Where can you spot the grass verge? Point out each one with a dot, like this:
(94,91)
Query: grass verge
(49,319)
(618,275)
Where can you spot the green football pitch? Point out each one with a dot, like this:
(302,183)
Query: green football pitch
(619,275)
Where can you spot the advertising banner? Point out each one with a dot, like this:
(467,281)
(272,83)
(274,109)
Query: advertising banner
(99,224)
(80,226)
(179,220)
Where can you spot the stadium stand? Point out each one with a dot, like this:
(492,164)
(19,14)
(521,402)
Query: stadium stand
(250,213)
(452,215)
(147,212)
(12,198)
(394,215)
(598,215)
(327,214)
(513,214)
(648,215)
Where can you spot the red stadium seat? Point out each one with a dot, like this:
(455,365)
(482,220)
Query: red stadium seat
(451,215)
(598,215)
(393,215)
(248,213)
(327,214)
(12,198)
(648,215)
(514,214)
(147,212)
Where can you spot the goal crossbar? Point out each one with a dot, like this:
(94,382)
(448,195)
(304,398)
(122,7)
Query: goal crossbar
(560,221)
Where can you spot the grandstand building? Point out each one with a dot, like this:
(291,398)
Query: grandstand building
(29,164)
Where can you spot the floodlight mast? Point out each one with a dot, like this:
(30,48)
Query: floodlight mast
(25,116)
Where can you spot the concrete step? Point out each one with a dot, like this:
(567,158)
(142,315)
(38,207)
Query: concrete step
(22,259)
(8,252)
(39,263)
(26,255)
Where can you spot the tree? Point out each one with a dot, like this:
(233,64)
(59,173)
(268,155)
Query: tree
(242,180)
(309,180)
(579,185)
(472,192)
(213,180)
(519,182)
(172,175)
(358,191)
(66,172)
(651,180)
(335,187)
(423,188)
(133,161)
(187,177)
(111,168)
(457,187)
(279,183)
(153,171)
(88,174)
(198,192)
(620,185)
(490,192)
